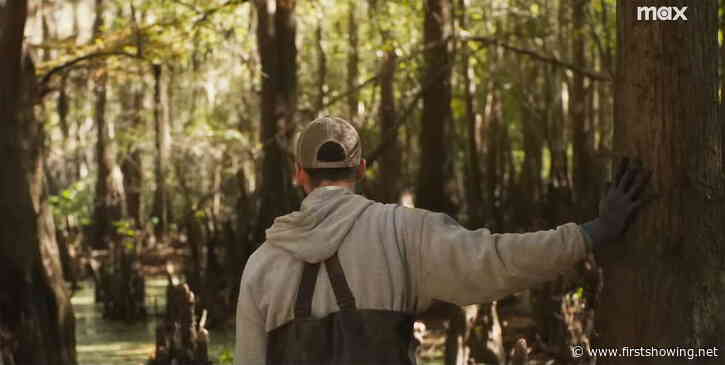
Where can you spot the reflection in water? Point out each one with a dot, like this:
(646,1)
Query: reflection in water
(101,342)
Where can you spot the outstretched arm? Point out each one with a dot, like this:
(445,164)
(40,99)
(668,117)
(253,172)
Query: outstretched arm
(461,266)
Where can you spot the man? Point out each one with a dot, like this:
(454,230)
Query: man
(340,280)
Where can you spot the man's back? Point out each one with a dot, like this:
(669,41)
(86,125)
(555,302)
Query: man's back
(394,258)
(364,235)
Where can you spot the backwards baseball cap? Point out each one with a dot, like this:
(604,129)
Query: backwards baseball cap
(328,142)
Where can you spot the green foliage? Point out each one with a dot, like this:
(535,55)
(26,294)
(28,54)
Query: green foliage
(226,357)
(128,232)
(75,201)
(126,228)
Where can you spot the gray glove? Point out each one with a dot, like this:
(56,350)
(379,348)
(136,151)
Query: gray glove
(620,204)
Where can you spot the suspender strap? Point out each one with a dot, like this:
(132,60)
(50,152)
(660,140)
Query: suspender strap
(343,294)
(303,305)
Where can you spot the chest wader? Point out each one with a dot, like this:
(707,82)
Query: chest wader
(350,336)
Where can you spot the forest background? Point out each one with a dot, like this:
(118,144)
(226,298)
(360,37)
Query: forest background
(153,138)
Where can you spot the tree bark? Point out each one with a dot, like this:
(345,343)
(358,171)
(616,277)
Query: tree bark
(353,60)
(32,331)
(531,185)
(239,249)
(437,117)
(493,151)
(433,174)
(181,338)
(132,165)
(722,81)
(109,203)
(666,112)
(63,108)
(276,32)
(556,130)
(585,192)
(161,138)
(79,86)
(321,70)
(474,180)
(390,160)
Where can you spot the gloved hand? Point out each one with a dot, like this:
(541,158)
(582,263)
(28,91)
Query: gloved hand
(620,204)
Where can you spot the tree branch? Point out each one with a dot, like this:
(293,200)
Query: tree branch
(209,12)
(411,55)
(594,75)
(46,78)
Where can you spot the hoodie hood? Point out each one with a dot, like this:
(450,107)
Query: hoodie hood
(316,231)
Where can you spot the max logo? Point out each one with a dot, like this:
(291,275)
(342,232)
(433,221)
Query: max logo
(661,13)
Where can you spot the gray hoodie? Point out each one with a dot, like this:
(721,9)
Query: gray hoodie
(394,258)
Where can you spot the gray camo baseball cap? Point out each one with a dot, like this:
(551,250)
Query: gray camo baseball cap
(334,133)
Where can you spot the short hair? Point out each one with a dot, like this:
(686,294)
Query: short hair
(330,152)
(317,176)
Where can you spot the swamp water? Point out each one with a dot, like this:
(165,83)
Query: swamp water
(102,342)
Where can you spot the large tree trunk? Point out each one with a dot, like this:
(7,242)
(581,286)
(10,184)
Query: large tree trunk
(530,187)
(36,318)
(132,166)
(494,175)
(119,283)
(62,108)
(556,131)
(79,85)
(437,117)
(109,204)
(390,161)
(353,60)
(321,70)
(433,174)
(722,81)
(276,44)
(582,134)
(239,249)
(666,112)
(475,206)
(161,142)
